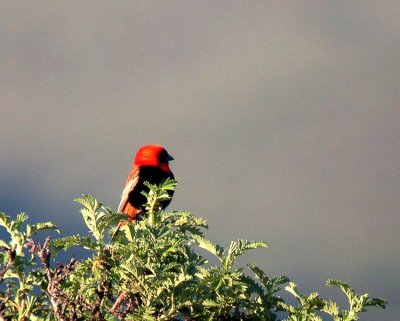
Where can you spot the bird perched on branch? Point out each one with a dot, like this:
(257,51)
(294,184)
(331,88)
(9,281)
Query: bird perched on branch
(150,164)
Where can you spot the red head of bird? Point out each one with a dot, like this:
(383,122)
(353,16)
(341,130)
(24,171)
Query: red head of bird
(153,155)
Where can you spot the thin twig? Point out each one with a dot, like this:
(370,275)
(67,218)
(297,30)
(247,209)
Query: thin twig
(57,300)
(118,302)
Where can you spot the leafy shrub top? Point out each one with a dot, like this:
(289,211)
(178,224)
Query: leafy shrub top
(151,270)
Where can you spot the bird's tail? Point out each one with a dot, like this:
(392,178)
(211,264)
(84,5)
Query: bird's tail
(132,215)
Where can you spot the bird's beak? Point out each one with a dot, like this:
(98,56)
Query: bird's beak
(169,158)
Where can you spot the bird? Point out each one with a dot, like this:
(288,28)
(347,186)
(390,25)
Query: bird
(150,164)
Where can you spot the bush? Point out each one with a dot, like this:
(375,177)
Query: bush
(150,270)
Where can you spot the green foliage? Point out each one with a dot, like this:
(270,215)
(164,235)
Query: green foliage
(310,305)
(18,277)
(148,270)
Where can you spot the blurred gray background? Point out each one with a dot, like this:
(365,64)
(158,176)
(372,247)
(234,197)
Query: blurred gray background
(283,118)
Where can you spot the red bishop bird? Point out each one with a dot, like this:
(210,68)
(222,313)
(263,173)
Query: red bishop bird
(150,164)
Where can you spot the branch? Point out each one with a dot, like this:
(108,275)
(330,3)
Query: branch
(118,303)
(10,262)
(58,301)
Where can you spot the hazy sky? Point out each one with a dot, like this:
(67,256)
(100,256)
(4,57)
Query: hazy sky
(283,118)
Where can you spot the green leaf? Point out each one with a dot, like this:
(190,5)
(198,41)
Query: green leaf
(4,219)
(33,229)
(208,246)
(238,248)
(271,285)
(92,216)
(292,288)
(75,240)
(357,303)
